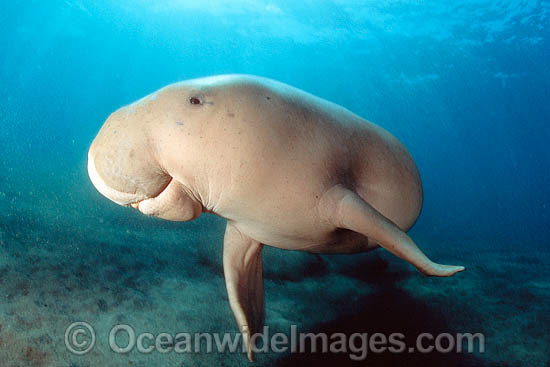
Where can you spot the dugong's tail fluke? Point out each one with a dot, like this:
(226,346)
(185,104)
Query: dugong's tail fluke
(345,209)
(242,265)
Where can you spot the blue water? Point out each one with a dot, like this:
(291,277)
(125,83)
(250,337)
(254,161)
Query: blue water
(465,85)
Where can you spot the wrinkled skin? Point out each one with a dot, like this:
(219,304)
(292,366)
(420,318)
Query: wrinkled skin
(285,168)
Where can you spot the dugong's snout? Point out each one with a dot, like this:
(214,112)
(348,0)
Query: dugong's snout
(119,197)
(170,202)
(122,164)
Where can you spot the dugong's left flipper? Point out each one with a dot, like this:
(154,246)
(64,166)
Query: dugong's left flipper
(345,209)
(242,266)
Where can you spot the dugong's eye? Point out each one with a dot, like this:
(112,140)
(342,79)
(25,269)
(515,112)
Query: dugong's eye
(195,100)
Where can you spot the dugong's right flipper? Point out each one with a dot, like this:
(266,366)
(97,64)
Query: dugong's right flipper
(242,266)
(345,209)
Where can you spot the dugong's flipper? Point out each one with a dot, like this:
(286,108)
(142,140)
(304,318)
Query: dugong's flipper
(242,266)
(345,209)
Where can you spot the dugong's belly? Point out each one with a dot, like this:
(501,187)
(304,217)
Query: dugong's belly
(320,240)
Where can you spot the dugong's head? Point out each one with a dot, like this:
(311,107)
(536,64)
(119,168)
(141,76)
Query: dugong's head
(129,159)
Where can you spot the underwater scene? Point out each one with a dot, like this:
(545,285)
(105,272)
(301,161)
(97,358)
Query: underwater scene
(227,220)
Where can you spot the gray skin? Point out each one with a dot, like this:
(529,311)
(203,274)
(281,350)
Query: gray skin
(283,167)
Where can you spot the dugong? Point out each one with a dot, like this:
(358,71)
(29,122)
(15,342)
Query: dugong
(283,167)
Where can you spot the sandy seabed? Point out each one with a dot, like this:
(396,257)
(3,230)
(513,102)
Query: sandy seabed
(62,265)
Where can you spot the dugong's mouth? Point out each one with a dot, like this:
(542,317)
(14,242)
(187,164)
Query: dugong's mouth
(136,204)
(119,197)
